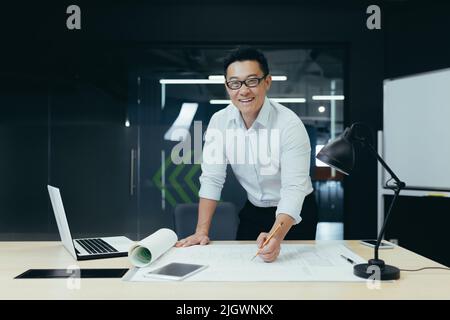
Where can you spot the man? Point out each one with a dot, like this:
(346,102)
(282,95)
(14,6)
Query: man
(276,149)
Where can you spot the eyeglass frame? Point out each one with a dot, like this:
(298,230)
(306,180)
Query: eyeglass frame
(243,82)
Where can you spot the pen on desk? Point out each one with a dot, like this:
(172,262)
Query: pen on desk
(348,259)
(267,240)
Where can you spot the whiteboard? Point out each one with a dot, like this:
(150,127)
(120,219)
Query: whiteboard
(416,125)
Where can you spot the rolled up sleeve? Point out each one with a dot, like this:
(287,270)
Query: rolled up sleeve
(214,163)
(294,166)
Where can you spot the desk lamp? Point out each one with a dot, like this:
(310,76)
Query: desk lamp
(340,154)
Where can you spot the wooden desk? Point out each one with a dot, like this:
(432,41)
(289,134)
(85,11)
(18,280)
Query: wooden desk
(17,257)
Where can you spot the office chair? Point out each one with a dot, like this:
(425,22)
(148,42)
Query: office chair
(223,226)
(330,231)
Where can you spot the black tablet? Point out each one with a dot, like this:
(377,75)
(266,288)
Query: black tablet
(67,273)
(175,271)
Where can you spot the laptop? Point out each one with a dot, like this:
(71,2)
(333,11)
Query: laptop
(88,248)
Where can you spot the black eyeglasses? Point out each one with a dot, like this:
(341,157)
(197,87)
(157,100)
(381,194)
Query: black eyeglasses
(249,83)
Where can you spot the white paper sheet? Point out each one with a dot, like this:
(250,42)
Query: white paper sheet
(297,262)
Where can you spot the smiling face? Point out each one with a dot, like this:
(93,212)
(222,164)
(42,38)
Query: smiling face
(248,100)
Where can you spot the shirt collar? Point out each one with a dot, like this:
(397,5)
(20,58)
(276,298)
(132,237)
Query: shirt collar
(234,113)
(263,115)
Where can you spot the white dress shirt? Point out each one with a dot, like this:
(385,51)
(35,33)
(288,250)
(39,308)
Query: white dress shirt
(270,160)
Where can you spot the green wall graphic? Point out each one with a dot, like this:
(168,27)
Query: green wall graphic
(180,186)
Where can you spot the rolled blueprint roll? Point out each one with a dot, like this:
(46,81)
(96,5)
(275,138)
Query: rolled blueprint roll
(151,248)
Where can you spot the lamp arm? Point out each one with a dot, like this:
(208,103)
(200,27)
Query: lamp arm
(381,234)
(353,133)
(399,185)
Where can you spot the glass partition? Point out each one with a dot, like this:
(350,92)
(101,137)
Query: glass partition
(183,88)
(100,129)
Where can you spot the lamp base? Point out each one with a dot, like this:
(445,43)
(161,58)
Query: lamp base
(377,270)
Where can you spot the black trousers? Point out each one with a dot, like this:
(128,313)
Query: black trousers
(254,220)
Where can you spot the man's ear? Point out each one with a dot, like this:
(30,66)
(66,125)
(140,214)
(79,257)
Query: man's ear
(268,81)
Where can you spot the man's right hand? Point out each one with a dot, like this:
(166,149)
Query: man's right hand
(193,240)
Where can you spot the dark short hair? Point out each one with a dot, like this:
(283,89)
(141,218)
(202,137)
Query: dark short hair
(245,53)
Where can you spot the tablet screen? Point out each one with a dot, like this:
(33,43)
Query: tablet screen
(176,270)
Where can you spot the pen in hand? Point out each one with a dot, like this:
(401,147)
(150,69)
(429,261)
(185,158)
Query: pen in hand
(267,240)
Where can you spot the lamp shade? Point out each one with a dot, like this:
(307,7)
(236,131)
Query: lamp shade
(339,153)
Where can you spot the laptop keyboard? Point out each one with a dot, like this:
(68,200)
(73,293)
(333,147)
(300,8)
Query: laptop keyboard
(95,246)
